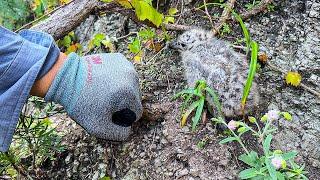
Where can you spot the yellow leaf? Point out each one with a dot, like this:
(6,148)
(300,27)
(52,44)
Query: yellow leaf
(137,58)
(124,3)
(72,48)
(64,1)
(35,4)
(293,78)
(173,11)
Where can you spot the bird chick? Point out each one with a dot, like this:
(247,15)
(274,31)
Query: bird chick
(207,58)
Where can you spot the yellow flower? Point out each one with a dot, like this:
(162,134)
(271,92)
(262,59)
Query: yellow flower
(293,78)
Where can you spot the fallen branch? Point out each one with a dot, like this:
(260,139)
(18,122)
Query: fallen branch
(68,17)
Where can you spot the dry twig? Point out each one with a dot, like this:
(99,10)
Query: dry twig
(207,13)
(224,17)
(263,6)
(312,91)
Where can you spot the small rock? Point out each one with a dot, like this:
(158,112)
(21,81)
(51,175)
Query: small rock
(183,172)
(96,175)
(68,158)
(75,166)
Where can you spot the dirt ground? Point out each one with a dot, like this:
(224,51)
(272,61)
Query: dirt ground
(159,148)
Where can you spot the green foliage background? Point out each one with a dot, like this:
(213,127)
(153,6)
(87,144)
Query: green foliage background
(14,13)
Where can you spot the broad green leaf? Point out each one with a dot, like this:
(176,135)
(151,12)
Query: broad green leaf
(146,11)
(47,122)
(146,34)
(173,11)
(248,173)
(266,144)
(229,139)
(66,41)
(197,117)
(249,159)
(280,176)
(98,38)
(252,72)
(186,101)
(272,171)
(135,46)
(289,155)
(168,20)
(12,172)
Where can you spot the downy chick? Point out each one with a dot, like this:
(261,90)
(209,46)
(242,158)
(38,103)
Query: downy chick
(207,58)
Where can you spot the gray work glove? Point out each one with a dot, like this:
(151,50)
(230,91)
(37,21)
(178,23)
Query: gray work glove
(100,92)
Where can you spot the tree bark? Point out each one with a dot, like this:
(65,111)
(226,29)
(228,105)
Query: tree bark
(66,18)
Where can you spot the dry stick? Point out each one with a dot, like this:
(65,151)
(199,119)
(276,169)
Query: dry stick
(263,5)
(65,19)
(312,91)
(224,17)
(207,13)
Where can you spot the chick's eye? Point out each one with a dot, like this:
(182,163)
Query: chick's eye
(183,45)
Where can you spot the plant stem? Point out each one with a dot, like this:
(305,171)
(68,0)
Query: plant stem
(250,128)
(259,129)
(238,138)
(266,127)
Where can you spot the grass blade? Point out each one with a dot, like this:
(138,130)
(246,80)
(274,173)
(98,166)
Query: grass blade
(252,72)
(186,91)
(197,117)
(216,101)
(188,112)
(244,30)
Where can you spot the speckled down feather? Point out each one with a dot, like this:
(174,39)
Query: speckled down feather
(208,58)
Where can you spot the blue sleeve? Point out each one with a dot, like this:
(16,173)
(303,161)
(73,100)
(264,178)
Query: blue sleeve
(24,57)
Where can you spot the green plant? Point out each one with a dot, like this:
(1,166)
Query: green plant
(34,141)
(14,13)
(146,38)
(100,39)
(145,11)
(252,5)
(270,7)
(225,29)
(203,142)
(69,44)
(194,99)
(170,17)
(272,164)
(40,7)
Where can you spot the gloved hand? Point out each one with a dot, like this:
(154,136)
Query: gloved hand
(100,92)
